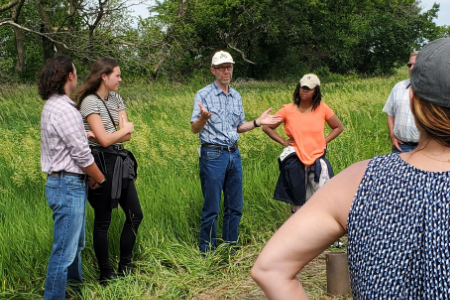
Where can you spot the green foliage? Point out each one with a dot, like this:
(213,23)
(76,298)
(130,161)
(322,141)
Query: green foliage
(290,37)
(269,39)
(166,256)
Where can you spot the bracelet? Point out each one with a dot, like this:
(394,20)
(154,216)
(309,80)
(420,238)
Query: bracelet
(102,183)
(254,123)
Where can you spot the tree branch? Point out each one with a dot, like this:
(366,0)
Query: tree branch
(16,11)
(12,23)
(242,53)
(7,6)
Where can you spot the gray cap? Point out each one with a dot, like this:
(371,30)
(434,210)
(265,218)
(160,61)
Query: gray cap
(430,76)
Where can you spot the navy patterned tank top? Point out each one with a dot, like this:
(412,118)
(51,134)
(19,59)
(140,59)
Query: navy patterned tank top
(398,232)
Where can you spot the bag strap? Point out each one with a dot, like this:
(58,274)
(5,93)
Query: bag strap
(112,120)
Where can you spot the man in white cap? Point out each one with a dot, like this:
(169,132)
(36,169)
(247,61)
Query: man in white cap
(400,121)
(219,117)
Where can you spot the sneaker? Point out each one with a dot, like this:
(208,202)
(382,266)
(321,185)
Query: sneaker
(338,244)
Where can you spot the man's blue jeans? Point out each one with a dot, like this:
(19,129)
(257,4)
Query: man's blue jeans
(66,196)
(404,147)
(220,171)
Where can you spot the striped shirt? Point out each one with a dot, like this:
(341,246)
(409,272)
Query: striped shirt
(94,105)
(399,107)
(64,145)
(227,115)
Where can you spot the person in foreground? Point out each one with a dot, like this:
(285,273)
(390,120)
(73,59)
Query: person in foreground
(102,110)
(219,118)
(395,209)
(66,158)
(303,158)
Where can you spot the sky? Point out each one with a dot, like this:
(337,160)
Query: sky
(443,14)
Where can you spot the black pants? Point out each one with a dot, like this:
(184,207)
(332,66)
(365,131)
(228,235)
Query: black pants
(100,200)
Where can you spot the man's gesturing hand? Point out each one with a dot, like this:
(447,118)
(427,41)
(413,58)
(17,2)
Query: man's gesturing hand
(204,114)
(266,119)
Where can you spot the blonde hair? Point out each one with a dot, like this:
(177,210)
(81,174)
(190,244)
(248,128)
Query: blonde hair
(434,120)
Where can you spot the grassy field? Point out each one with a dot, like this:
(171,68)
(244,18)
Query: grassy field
(168,262)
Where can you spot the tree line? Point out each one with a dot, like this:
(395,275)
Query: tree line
(268,38)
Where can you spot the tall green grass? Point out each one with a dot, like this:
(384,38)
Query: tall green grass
(166,255)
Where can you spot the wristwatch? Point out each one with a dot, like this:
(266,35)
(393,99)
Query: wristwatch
(254,123)
(102,183)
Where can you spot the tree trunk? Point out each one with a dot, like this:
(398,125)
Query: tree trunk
(19,41)
(47,45)
(19,48)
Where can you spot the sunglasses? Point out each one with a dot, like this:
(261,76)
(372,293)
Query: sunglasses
(409,65)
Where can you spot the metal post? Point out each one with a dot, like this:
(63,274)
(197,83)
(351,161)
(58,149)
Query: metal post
(338,279)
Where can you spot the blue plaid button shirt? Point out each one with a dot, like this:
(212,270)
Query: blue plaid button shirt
(227,115)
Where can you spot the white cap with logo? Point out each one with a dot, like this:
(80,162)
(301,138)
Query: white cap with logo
(310,80)
(222,57)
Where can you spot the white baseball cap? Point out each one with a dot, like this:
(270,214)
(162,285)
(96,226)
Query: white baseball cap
(310,80)
(221,57)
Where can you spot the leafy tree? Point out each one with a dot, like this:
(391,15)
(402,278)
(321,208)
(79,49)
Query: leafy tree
(282,37)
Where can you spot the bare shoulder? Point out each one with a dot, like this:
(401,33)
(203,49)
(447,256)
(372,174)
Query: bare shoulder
(357,169)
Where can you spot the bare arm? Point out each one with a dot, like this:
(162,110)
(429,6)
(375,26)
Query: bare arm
(105,139)
(94,172)
(306,234)
(122,119)
(336,128)
(270,131)
(395,141)
(264,119)
(198,124)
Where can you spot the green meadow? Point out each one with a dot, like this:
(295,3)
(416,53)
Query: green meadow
(166,256)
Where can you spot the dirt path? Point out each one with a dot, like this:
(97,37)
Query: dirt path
(313,278)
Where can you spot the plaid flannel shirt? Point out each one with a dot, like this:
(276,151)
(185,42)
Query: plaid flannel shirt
(64,144)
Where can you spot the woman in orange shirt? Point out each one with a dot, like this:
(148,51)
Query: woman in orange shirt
(303,165)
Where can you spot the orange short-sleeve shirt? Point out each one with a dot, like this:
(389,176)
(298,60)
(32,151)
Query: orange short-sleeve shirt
(307,130)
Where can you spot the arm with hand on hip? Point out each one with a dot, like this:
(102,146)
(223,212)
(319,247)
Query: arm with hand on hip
(270,131)
(310,231)
(395,141)
(336,128)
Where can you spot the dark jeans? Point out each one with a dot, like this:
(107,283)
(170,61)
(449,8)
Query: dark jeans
(404,147)
(100,200)
(220,171)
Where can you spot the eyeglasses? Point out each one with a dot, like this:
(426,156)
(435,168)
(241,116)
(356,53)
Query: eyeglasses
(410,65)
(223,68)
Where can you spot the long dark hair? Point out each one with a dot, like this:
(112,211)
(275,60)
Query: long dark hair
(317,97)
(104,65)
(53,76)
